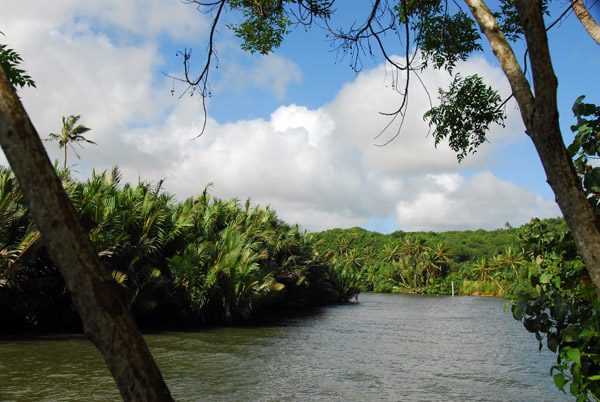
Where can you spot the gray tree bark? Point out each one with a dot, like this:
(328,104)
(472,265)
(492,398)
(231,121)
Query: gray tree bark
(539,111)
(106,319)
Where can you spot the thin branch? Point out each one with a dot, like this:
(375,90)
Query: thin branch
(202,79)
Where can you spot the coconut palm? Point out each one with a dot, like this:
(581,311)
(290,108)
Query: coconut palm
(431,264)
(513,259)
(481,270)
(71,133)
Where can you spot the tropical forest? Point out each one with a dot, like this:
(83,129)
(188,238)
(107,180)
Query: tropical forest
(117,289)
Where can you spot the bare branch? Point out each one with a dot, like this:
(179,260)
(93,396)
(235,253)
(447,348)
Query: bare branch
(202,80)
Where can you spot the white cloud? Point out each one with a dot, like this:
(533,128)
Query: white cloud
(482,201)
(316,167)
(270,73)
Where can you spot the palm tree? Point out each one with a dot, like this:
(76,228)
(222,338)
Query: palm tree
(513,259)
(481,270)
(71,133)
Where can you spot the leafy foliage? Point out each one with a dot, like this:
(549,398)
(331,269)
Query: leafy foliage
(10,60)
(465,113)
(430,262)
(442,38)
(204,260)
(586,148)
(446,39)
(266,22)
(565,310)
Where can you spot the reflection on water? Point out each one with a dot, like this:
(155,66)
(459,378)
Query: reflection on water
(385,348)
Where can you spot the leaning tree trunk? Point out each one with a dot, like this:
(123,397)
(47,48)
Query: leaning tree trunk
(539,111)
(106,319)
(586,19)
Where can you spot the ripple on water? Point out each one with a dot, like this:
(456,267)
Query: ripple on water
(386,348)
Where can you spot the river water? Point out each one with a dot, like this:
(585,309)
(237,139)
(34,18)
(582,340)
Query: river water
(387,347)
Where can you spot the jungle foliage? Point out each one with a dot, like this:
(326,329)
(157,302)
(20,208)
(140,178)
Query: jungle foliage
(477,262)
(204,260)
(565,311)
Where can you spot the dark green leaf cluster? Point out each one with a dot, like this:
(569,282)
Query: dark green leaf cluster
(264,26)
(465,113)
(266,22)
(586,147)
(412,11)
(443,38)
(204,260)
(446,39)
(566,312)
(10,60)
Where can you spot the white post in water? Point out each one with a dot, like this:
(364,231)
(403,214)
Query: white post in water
(452,288)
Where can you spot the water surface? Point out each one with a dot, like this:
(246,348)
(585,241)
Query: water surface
(388,347)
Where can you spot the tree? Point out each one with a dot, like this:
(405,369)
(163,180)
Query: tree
(512,259)
(71,133)
(481,270)
(588,22)
(106,319)
(442,34)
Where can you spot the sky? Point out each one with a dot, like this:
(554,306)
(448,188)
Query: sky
(295,130)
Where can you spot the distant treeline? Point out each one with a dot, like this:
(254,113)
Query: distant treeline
(477,262)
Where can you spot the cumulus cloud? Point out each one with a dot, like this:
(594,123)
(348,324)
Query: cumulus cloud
(452,202)
(319,167)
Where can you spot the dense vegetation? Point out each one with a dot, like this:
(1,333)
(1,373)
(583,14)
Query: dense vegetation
(474,262)
(200,261)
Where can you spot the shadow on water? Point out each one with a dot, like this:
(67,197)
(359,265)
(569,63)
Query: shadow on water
(385,347)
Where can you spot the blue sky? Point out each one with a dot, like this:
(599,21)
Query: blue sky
(294,130)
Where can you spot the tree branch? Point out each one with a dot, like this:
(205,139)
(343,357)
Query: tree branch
(505,55)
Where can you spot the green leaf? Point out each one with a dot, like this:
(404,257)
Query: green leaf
(518,309)
(570,334)
(552,343)
(545,277)
(574,390)
(9,60)
(574,355)
(559,380)
(557,282)
(591,179)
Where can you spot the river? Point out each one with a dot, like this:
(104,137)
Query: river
(387,347)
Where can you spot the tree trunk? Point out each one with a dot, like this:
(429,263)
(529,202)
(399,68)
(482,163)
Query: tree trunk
(540,115)
(544,130)
(106,319)
(586,19)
